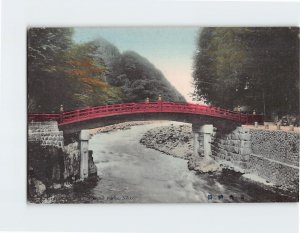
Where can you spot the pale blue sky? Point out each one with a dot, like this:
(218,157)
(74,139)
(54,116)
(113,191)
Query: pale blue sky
(170,49)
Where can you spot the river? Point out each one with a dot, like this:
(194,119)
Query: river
(133,173)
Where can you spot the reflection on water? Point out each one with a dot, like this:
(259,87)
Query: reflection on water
(131,173)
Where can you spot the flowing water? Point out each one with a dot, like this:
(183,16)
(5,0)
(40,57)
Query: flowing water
(133,173)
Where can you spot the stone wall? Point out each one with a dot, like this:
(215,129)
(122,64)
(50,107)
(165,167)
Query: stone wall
(47,133)
(271,155)
(52,164)
(282,146)
(234,147)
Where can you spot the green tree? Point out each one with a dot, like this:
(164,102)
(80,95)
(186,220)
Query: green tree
(256,67)
(86,78)
(61,72)
(45,52)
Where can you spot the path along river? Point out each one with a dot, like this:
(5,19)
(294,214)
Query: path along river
(131,172)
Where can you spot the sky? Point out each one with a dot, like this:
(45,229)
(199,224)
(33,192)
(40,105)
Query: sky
(170,49)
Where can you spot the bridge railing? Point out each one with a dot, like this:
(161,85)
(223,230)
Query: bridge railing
(129,108)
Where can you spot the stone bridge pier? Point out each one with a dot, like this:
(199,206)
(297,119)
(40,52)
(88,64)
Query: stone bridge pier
(84,138)
(202,152)
(88,168)
(202,140)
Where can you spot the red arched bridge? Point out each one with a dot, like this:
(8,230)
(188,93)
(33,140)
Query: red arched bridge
(74,124)
(154,108)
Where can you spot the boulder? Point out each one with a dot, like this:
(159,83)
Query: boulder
(36,187)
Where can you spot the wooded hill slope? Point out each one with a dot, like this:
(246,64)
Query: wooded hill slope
(60,71)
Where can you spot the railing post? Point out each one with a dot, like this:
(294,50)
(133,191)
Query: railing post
(61,113)
(159,100)
(239,111)
(77,114)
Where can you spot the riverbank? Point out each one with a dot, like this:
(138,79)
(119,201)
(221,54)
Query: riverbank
(120,126)
(175,140)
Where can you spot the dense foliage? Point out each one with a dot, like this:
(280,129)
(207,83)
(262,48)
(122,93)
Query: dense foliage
(139,79)
(255,67)
(88,74)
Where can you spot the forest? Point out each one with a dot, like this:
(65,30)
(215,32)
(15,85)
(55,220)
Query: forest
(256,68)
(77,75)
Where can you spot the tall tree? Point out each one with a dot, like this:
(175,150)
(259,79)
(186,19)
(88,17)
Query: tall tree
(86,78)
(45,51)
(257,67)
